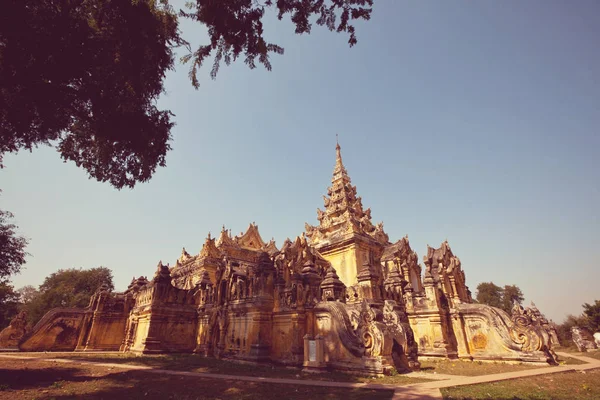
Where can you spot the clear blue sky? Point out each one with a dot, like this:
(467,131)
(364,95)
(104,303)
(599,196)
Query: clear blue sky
(475,122)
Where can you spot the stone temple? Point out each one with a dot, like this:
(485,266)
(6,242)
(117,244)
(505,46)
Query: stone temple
(341,296)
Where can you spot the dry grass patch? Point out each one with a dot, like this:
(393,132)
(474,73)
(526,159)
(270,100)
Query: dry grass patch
(473,368)
(566,385)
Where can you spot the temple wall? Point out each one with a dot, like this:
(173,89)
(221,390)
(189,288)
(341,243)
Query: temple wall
(141,332)
(348,260)
(203,334)
(106,332)
(58,330)
(432,334)
(287,345)
(241,332)
(344,261)
(169,329)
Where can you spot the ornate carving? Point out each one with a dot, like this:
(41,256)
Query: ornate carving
(209,249)
(15,331)
(332,289)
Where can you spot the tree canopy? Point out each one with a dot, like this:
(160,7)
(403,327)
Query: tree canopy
(67,288)
(592,314)
(9,303)
(12,247)
(590,318)
(84,75)
(496,296)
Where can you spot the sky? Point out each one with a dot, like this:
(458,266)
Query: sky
(472,122)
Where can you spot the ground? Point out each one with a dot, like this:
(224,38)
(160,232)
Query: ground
(122,376)
(30,379)
(568,385)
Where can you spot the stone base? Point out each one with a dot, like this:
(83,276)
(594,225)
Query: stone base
(258,352)
(314,368)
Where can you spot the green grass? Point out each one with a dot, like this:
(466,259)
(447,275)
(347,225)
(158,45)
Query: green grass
(472,368)
(567,386)
(570,361)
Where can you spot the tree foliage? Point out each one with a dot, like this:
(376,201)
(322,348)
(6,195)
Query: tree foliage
(564,330)
(68,288)
(496,296)
(84,75)
(510,295)
(592,314)
(490,294)
(9,303)
(12,247)
(236,27)
(27,293)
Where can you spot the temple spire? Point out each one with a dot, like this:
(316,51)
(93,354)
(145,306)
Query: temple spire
(339,171)
(343,211)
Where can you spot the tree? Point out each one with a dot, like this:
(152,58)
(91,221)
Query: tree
(9,302)
(12,247)
(68,288)
(592,313)
(27,293)
(511,294)
(84,75)
(495,296)
(564,330)
(490,294)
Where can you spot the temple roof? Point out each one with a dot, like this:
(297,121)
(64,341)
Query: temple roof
(209,249)
(399,249)
(251,239)
(344,212)
(225,238)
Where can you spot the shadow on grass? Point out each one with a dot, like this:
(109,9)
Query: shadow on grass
(32,380)
(196,363)
(39,378)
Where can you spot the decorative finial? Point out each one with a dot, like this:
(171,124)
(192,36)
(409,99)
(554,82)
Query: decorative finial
(209,235)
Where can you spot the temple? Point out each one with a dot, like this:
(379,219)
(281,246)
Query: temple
(340,296)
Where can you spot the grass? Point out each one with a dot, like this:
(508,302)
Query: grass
(33,379)
(573,350)
(567,385)
(570,361)
(196,363)
(472,368)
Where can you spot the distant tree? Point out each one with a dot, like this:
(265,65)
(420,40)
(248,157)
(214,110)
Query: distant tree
(84,76)
(12,247)
(68,288)
(592,313)
(564,330)
(493,295)
(9,303)
(490,294)
(510,295)
(27,294)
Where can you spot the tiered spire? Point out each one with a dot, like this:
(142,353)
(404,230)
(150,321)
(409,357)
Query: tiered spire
(344,212)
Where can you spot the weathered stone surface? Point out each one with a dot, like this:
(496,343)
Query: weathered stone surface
(583,339)
(341,287)
(14,332)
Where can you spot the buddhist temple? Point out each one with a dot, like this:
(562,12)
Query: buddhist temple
(340,296)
